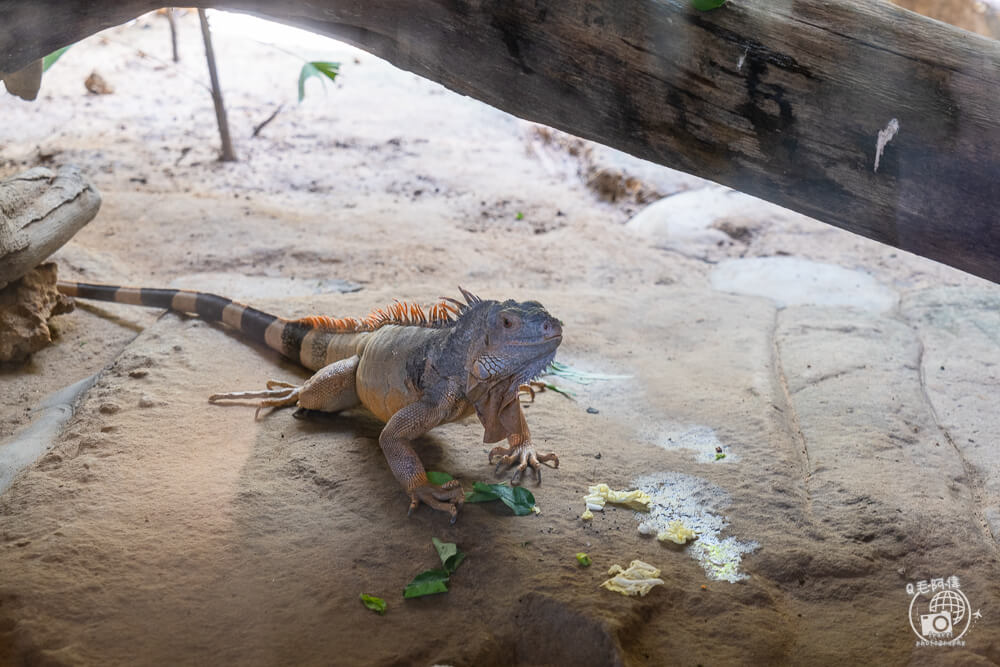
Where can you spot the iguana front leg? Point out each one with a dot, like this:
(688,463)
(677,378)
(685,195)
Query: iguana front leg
(406,425)
(521,451)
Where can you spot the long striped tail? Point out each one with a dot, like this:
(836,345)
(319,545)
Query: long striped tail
(278,334)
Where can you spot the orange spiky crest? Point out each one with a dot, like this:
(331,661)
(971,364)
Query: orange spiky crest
(403,313)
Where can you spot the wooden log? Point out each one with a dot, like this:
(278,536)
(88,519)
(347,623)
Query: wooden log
(784,100)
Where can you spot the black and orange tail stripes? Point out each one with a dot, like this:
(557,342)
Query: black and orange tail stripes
(213,308)
(284,336)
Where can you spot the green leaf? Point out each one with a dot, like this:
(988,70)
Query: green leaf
(720,456)
(449,554)
(427,582)
(583,559)
(481,494)
(328,69)
(559,390)
(377,605)
(706,5)
(517,498)
(318,68)
(50,60)
(519,216)
(439,478)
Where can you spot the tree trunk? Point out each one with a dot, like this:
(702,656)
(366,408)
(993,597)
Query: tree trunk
(227,154)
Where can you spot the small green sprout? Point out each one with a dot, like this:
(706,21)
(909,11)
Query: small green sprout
(377,605)
(317,68)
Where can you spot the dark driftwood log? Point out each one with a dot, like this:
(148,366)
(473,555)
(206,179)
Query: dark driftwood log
(783,99)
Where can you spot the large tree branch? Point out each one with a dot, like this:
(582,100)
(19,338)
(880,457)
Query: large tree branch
(783,100)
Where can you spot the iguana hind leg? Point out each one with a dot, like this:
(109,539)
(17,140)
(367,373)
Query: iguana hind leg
(330,389)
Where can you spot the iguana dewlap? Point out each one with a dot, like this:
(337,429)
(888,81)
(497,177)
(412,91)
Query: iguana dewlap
(412,368)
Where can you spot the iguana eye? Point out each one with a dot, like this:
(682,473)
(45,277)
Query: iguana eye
(507,323)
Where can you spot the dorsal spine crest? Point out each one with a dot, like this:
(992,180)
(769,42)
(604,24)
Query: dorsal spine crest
(402,313)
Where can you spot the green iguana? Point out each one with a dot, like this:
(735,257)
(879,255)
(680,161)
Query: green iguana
(411,367)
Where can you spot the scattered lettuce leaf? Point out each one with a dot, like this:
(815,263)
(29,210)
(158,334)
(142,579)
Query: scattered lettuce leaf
(439,478)
(318,68)
(50,60)
(583,559)
(428,582)
(377,605)
(517,498)
(449,554)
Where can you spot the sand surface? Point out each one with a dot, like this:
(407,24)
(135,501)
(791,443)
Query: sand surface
(851,386)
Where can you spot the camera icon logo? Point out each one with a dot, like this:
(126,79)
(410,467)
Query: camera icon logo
(940,613)
(938,625)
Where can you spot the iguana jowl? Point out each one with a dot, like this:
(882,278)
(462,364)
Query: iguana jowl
(410,367)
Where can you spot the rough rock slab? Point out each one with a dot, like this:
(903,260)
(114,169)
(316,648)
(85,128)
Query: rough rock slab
(249,542)
(25,308)
(959,329)
(794,281)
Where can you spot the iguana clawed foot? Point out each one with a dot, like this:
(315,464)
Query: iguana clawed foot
(523,455)
(447,497)
(278,394)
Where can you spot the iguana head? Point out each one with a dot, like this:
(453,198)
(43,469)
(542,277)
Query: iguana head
(508,344)
(518,341)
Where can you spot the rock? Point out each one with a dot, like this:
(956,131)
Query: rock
(870,436)
(792,281)
(40,210)
(959,329)
(96,84)
(703,216)
(25,308)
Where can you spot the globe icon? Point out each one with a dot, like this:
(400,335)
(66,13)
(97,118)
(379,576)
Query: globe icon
(949,602)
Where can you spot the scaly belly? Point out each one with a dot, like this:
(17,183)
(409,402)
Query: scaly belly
(384,384)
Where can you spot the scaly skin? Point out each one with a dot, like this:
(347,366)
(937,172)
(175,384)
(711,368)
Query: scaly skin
(411,370)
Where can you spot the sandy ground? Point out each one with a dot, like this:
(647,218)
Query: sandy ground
(857,415)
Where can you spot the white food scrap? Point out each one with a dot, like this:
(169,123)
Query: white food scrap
(600,494)
(677,532)
(638,579)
